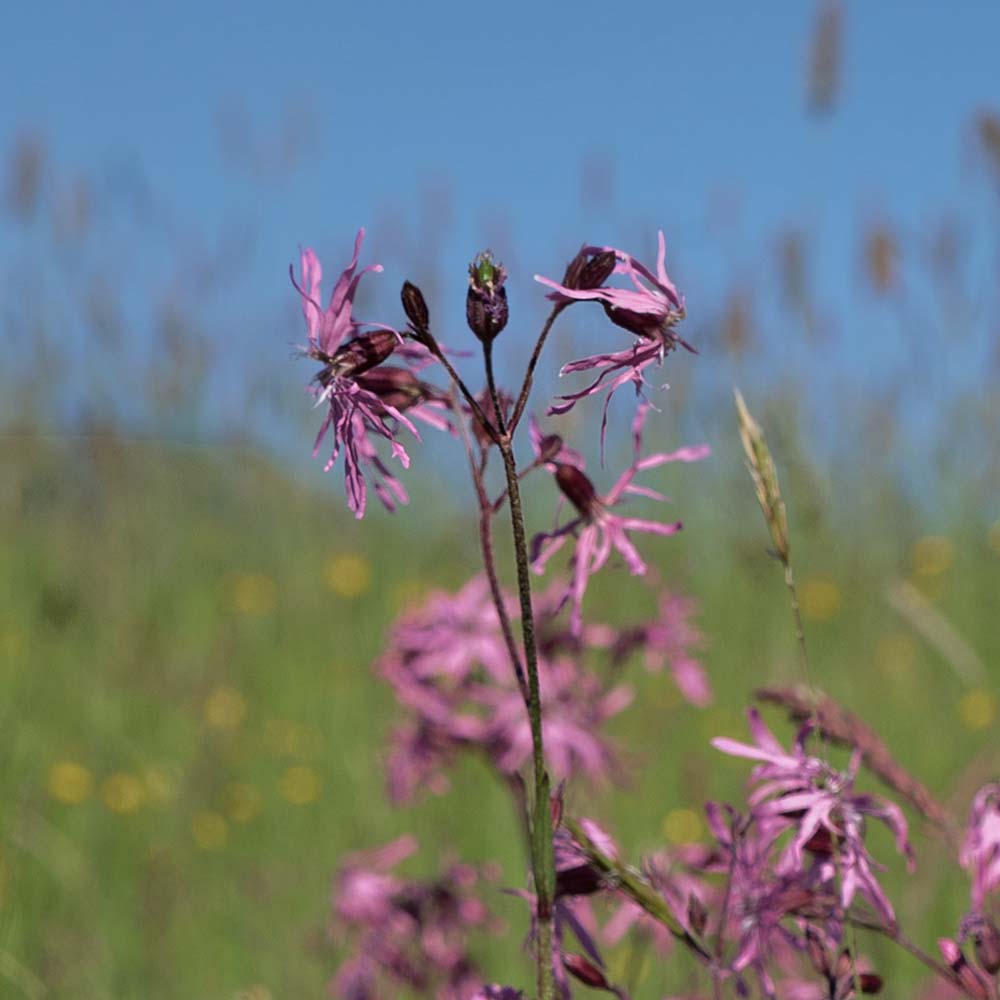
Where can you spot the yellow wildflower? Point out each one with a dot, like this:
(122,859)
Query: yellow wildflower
(349,575)
(70,782)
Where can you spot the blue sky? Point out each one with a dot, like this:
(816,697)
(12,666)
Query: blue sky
(697,106)
(686,96)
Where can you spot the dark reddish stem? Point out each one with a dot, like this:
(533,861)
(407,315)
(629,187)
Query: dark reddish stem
(522,399)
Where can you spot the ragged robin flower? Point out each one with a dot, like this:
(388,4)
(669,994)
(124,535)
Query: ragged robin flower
(650,309)
(355,412)
(799,792)
(596,528)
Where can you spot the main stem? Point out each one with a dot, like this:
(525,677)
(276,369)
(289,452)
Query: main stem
(542,859)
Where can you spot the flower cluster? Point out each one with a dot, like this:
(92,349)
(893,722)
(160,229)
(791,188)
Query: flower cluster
(530,682)
(448,665)
(407,933)
(804,794)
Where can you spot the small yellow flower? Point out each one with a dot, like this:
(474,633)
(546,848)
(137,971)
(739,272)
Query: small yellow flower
(252,593)
(224,708)
(931,555)
(70,782)
(122,793)
(993,537)
(977,709)
(209,830)
(349,575)
(682,826)
(896,653)
(243,802)
(819,598)
(299,785)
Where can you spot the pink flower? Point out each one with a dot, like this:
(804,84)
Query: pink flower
(980,855)
(650,309)
(449,666)
(575,707)
(551,450)
(646,308)
(670,639)
(328,329)
(355,413)
(797,791)
(597,530)
(406,935)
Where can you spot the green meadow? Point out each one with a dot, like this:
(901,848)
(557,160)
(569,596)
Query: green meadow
(194,735)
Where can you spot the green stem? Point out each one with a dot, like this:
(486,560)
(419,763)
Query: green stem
(800,632)
(542,859)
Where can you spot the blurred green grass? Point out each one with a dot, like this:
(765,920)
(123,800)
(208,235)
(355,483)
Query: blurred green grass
(193,733)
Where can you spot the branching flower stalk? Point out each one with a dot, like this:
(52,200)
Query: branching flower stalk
(772,904)
(368,400)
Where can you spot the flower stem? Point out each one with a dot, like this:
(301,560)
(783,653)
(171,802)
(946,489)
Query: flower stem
(522,398)
(487,510)
(542,859)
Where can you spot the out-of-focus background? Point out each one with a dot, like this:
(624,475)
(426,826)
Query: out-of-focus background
(192,735)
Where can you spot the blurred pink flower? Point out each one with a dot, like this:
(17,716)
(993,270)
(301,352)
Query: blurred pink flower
(448,665)
(670,639)
(975,983)
(406,934)
(575,706)
(597,531)
(980,854)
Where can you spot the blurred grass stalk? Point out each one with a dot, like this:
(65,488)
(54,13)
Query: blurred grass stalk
(764,474)
(930,623)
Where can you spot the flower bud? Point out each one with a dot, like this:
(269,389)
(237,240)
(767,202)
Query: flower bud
(697,914)
(549,447)
(871,982)
(641,324)
(583,880)
(577,489)
(398,387)
(486,303)
(973,981)
(415,307)
(820,843)
(599,268)
(557,802)
(574,269)
(584,272)
(986,941)
(586,971)
(816,949)
(362,353)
